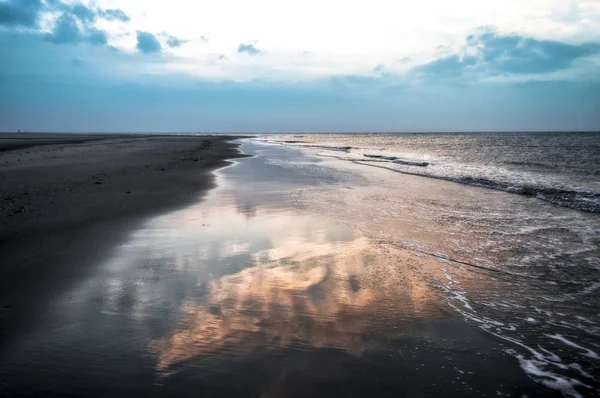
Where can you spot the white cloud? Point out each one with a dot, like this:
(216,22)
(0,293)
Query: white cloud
(341,36)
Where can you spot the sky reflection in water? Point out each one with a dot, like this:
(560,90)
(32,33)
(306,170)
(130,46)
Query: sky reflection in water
(247,268)
(252,291)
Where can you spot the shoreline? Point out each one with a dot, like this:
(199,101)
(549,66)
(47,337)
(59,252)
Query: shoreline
(252,285)
(64,205)
(529,176)
(519,300)
(289,249)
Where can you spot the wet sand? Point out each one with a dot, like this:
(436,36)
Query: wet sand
(257,288)
(67,199)
(12,141)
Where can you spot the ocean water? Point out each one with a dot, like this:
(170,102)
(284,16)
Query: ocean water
(308,273)
(253,291)
(561,168)
(516,232)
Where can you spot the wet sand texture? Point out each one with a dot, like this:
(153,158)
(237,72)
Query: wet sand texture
(250,290)
(65,199)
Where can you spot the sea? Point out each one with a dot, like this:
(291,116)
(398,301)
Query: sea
(354,265)
(517,231)
(560,168)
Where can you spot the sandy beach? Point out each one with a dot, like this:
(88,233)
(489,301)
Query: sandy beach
(67,198)
(208,199)
(228,266)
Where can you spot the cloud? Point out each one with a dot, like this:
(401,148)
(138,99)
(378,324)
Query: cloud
(114,15)
(452,65)
(67,31)
(97,37)
(379,68)
(113,96)
(174,42)
(89,15)
(516,54)
(492,54)
(74,24)
(20,13)
(84,14)
(147,43)
(248,49)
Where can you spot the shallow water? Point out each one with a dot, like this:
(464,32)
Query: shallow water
(560,168)
(523,270)
(261,288)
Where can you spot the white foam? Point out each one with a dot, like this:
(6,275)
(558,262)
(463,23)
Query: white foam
(535,370)
(580,318)
(587,352)
(578,368)
(543,364)
(588,328)
(592,288)
(457,293)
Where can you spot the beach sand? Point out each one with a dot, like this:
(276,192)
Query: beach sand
(142,266)
(65,199)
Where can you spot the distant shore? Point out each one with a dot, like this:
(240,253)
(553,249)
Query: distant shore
(65,199)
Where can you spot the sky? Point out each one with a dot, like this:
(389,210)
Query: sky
(299,66)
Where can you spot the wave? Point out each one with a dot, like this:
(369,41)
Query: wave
(530,333)
(588,201)
(531,164)
(330,148)
(564,196)
(397,160)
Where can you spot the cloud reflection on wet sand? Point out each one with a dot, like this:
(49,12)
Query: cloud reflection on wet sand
(316,284)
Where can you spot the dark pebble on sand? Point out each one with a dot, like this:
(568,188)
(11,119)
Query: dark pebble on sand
(98,182)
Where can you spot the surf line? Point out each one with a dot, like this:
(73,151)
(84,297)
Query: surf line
(496,270)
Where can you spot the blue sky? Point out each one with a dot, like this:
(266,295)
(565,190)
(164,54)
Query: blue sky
(264,66)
